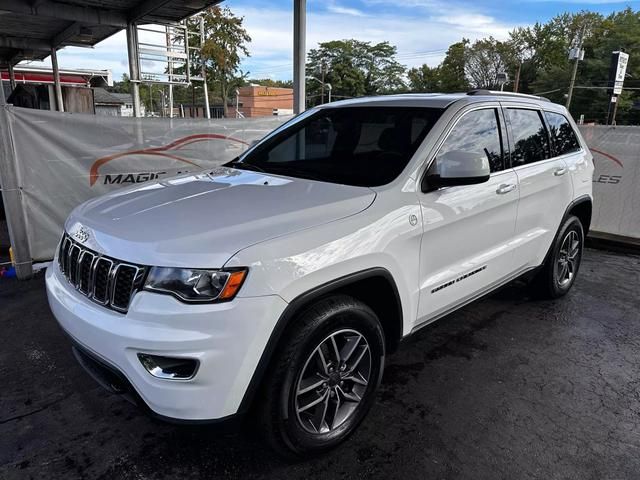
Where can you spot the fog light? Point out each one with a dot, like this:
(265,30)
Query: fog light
(169,368)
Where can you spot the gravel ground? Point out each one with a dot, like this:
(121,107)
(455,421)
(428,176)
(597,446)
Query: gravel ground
(505,388)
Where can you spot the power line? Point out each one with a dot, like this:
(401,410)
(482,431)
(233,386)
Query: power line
(399,56)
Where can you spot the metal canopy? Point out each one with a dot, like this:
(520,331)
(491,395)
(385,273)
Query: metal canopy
(29,29)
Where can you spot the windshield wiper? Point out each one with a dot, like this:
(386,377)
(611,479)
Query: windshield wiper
(244,166)
(271,168)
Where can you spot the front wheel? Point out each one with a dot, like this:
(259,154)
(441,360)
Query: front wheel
(323,380)
(560,269)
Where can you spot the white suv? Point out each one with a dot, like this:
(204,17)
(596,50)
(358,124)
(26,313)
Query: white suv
(288,274)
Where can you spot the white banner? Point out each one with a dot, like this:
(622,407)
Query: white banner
(616,182)
(65,159)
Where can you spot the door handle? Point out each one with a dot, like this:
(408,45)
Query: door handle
(559,171)
(505,188)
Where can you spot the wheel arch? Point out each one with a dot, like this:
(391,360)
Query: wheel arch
(582,207)
(374,287)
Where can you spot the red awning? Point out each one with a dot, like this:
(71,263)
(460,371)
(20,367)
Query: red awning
(46,78)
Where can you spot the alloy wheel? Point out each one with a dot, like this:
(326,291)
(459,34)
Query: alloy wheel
(333,381)
(568,259)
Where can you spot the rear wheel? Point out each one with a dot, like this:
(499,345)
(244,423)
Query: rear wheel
(323,379)
(560,269)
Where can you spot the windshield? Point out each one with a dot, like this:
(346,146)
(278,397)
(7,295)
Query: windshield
(360,146)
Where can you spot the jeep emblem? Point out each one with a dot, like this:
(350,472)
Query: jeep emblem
(82,234)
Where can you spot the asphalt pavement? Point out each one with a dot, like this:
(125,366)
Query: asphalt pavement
(507,388)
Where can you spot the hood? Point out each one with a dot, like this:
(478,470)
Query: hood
(202,220)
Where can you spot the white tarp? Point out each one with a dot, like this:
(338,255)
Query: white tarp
(65,159)
(616,183)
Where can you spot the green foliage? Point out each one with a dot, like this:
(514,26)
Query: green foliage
(450,76)
(540,54)
(354,69)
(547,69)
(268,82)
(485,59)
(424,79)
(452,70)
(225,42)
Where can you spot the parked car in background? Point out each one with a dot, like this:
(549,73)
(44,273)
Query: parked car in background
(277,284)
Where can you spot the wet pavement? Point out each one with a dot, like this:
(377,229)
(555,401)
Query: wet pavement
(506,388)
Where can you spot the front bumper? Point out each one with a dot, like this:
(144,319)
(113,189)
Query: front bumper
(227,339)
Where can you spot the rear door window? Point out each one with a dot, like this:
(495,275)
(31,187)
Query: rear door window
(563,136)
(530,142)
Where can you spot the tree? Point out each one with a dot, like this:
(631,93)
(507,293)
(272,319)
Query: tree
(269,82)
(451,71)
(485,59)
(225,42)
(424,79)
(355,68)
(146,96)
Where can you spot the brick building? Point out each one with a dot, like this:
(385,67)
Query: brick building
(258,101)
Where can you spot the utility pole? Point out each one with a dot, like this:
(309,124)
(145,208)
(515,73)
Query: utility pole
(578,54)
(615,110)
(516,83)
(322,72)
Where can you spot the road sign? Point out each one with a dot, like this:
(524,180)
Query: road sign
(617,72)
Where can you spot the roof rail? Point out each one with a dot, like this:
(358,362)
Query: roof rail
(482,91)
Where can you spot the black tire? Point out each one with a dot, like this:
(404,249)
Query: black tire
(550,282)
(289,431)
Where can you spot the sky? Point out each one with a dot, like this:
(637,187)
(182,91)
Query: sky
(421,29)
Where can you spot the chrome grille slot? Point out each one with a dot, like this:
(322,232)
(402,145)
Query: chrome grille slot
(104,280)
(123,285)
(85,272)
(62,255)
(74,256)
(101,280)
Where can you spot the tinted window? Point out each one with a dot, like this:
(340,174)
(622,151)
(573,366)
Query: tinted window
(476,132)
(363,146)
(530,141)
(563,137)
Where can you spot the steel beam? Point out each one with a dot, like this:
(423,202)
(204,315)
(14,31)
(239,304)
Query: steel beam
(23,43)
(71,31)
(66,11)
(299,54)
(144,8)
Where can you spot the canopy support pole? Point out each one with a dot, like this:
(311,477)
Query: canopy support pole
(56,80)
(134,67)
(299,54)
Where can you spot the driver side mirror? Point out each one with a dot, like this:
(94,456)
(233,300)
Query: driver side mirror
(456,167)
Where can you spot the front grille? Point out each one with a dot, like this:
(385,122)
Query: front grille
(104,280)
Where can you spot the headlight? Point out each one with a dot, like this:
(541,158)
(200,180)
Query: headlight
(191,285)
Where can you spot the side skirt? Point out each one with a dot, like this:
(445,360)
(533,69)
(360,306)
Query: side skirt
(472,298)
